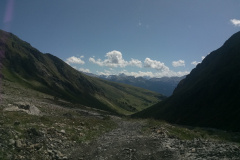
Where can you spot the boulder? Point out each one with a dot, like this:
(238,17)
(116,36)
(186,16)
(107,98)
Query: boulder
(24,107)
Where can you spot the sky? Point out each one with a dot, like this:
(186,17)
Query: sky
(153,38)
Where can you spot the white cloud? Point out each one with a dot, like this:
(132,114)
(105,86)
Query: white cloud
(148,63)
(135,62)
(99,62)
(235,22)
(178,63)
(74,60)
(84,70)
(115,59)
(195,63)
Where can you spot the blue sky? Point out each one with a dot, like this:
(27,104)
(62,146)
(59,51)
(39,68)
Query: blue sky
(137,37)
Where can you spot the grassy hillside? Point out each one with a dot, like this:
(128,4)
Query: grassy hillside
(23,64)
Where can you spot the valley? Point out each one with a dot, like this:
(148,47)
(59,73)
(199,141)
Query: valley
(49,110)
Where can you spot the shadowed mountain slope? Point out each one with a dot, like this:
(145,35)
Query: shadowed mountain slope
(209,95)
(23,64)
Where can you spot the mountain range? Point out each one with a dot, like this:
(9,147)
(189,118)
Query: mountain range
(209,95)
(23,64)
(164,85)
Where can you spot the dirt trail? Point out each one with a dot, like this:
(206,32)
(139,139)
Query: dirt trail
(125,142)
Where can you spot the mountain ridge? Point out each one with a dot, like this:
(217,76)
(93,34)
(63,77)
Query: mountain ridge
(163,85)
(23,64)
(209,95)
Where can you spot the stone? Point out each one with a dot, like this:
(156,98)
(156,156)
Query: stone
(81,134)
(62,131)
(11,141)
(160,131)
(18,143)
(50,152)
(33,110)
(24,107)
(59,154)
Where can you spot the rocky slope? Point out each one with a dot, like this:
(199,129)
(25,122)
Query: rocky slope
(209,95)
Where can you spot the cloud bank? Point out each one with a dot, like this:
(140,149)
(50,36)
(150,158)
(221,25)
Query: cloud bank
(146,74)
(115,59)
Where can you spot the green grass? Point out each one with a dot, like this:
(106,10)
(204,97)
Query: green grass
(3,155)
(126,99)
(92,129)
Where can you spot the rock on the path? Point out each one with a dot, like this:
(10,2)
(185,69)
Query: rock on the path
(24,107)
(11,141)
(18,144)
(62,131)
